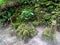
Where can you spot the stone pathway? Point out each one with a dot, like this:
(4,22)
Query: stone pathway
(7,39)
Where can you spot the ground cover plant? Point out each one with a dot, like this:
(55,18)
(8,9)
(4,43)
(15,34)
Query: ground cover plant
(26,31)
(48,35)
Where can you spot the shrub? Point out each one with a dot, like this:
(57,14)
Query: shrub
(26,31)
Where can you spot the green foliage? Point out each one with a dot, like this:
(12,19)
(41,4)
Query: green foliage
(6,15)
(2,1)
(42,12)
(26,1)
(27,14)
(15,20)
(47,7)
(36,22)
(46,19)
(48,35)
(53,17)
(26,30)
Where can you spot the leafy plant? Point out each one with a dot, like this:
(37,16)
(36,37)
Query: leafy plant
(6,15)
(45,20)
(27,14)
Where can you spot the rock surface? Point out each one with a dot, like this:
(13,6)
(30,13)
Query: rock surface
(7,39)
